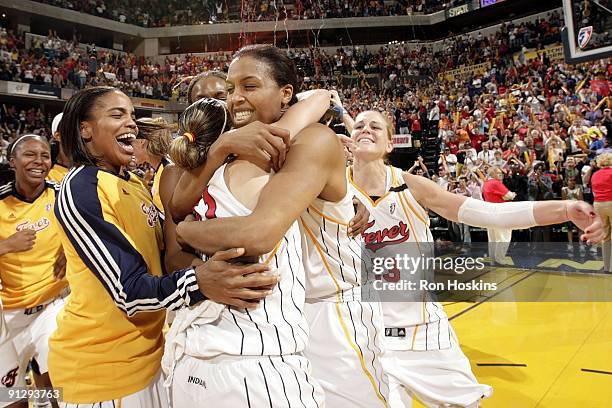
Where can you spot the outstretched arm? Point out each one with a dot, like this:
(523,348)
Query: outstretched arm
(514,215)
(313,158)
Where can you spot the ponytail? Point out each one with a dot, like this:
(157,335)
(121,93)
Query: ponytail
(200,125)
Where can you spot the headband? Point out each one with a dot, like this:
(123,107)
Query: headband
(17,141)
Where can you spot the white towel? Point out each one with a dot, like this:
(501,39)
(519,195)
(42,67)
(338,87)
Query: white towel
(176,338)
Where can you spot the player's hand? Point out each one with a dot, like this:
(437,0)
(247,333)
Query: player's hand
(59,268)
(239,285)
(335,98)
(261,144)
(21,241)
(348,145)
(583,215)
(360,221)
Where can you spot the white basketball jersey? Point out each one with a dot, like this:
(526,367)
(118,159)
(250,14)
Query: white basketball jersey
(396,218)
(332,260)
(277,326)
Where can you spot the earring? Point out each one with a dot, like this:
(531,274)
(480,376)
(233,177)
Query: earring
(284,108)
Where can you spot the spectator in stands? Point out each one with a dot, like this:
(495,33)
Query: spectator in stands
(602,189)
(449,160)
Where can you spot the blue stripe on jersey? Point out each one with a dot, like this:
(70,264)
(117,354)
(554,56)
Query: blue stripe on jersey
(111,257)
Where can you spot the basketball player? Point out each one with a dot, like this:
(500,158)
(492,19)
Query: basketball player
(423,356)
(262,344)
(60,163)
(30,257)
(210,84)
(311,185)
(151,147)
(112,238)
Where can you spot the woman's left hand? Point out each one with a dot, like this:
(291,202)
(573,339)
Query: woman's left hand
(583,215)
(360,221)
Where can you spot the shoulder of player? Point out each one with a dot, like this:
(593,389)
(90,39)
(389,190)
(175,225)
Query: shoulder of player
(80,181)
(52,185)
(319,134)
(321,143)
(6,190)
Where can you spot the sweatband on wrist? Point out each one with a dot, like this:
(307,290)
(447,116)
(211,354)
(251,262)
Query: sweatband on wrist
(516,215)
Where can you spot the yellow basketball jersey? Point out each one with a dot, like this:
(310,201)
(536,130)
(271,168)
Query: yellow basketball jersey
(27,277)
(155,188)
(57,173)
(103,349)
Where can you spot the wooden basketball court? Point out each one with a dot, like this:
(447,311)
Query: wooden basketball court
(540,353)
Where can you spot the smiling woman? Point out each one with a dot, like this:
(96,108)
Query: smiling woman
(107,136)
(112,237)
(28,234)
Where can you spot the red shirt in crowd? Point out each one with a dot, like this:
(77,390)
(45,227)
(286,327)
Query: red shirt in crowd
(477,140)
(493,190)
(601,183)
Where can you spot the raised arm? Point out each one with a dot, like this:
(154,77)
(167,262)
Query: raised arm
(315,155)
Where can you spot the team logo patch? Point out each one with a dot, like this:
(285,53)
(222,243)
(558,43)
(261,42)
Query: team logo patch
(392,208)
(584,36)
(9,379)
(48,207)
(151,212)
(36,226)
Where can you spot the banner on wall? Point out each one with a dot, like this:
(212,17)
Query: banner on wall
(18,88)
(45,90)
(457,11)
(148,103)
(553,52)
(466,71)
(402,141)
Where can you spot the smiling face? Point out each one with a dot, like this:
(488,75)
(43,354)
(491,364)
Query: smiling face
(209,87)
(31,161)
(253,94)
(371,136)
(110,131)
